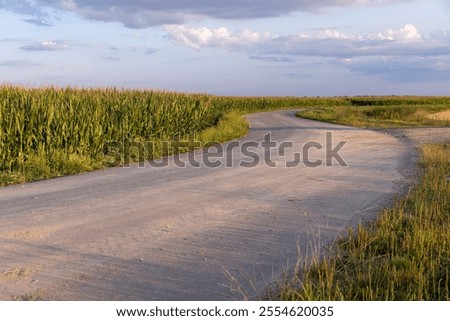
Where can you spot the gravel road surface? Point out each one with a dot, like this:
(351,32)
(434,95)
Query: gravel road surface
(217,232)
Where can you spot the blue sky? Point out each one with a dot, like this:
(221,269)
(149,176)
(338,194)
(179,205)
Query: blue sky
(247,47)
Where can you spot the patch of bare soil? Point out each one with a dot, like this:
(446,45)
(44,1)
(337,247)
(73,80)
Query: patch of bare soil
(419,136)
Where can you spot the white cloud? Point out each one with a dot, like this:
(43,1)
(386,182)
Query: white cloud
(48,45)
(332,34)
(407,33)
(398,54)
(198,38)
(325,42)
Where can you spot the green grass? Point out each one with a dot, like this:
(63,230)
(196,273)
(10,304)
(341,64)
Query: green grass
(379,115)
(403,255)
(231,126)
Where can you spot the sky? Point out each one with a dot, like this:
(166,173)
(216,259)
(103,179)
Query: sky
(244,48)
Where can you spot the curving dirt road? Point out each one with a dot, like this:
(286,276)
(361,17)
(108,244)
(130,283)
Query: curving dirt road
(197,233)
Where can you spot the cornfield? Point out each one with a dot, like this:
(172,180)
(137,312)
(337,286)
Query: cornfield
(44,121)
(82,121)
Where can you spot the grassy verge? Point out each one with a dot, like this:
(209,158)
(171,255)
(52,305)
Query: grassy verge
(57,163)
(403,255)
(378,116)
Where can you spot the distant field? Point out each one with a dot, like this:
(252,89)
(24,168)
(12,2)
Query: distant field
(385,112)
(48,132)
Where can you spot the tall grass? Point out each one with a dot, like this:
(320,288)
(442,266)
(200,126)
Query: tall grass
(402,255)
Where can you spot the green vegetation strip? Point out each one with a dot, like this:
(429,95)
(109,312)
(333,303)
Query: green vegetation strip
(393,114)
(50,132)
(402,255)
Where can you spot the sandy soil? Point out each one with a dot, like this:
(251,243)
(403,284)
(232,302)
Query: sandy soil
(418,136)
(195,233)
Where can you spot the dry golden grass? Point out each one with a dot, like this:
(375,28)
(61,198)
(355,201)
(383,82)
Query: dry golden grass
(445,115)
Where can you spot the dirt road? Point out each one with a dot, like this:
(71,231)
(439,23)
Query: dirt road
(195,233)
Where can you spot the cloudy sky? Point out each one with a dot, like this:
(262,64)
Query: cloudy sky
(246,47)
